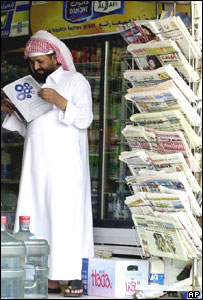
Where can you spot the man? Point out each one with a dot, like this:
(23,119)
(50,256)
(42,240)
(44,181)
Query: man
(55,182)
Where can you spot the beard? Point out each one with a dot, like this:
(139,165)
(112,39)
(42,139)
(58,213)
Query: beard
(41,77)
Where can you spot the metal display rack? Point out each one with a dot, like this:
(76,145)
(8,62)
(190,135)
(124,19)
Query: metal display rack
(129,64)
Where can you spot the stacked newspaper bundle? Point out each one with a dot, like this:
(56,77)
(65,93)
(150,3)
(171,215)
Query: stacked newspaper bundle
(171,28)
(161,97)
(155,54)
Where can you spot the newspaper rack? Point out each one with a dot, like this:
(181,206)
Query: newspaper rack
(190,90)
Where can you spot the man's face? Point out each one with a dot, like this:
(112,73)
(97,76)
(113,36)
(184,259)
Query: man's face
(42,66)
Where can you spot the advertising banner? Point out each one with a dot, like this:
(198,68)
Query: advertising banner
(14,18)
(69,19)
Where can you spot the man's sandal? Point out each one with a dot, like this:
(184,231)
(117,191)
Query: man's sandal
(72,286)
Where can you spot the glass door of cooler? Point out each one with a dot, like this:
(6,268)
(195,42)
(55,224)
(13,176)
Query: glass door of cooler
(87,59)
(116,113)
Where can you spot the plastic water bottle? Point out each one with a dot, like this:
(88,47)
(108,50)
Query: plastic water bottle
(36,261)
(12,265)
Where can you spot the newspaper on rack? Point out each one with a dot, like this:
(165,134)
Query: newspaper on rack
(163,142)
(169,163)
(162,74)
(160,236)
(132,33)
(156,54)
(191,241)
(171,120)
(174,29)
(160,97)
(148,203)
(151,181)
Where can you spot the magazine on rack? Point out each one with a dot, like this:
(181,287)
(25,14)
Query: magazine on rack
(160,236)
(156,54)
(23,94)
(171,120)
(169,163)
(163,142)
(160,97)
(151,181)
(162,74)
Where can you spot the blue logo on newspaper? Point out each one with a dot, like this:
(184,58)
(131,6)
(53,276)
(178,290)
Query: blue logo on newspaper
(24,91)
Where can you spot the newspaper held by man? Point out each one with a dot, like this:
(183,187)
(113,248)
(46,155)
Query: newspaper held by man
(23,93)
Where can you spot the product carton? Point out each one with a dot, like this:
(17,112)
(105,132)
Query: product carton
(115,277)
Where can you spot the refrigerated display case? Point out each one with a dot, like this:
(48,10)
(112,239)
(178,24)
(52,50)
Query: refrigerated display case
(113,225)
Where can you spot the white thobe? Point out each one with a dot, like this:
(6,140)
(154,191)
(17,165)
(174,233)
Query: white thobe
(55,181)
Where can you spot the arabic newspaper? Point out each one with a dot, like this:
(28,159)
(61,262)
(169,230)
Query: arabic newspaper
(162,96)
(168,163)
(156,54)
(151,203)
(160,236)
(172,120)
(162,74)
(174,29)
(163,142)
(151,182)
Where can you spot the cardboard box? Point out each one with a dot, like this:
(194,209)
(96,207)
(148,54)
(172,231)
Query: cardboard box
(114,277)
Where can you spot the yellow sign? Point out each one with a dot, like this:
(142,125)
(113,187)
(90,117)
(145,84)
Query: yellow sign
(69,19)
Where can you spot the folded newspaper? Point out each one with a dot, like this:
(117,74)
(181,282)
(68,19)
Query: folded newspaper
(163,142)
(161,97)
(171,120)
(151,181)
(156,54)
(138,160)
(150,203)
(161,236)
(162,74)
(172,28)
(23,93)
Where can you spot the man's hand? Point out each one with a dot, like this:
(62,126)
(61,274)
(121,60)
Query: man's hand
(7,106)
(51,96)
